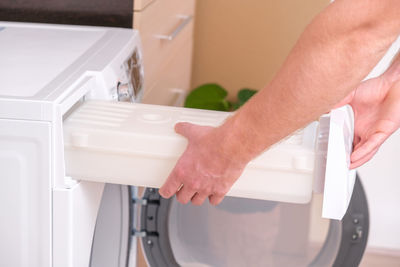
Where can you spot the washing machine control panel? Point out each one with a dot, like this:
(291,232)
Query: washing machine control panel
(130,82)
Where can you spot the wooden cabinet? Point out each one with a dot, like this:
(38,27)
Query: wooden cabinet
(166,29)
(139,5)
(114,13)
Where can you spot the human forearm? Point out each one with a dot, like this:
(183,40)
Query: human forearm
(332,56)
(336,51)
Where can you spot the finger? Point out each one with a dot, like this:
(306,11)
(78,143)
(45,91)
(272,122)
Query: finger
(184,128)
(215,199)
(356,142)
(363,160)
(171,186)
(366,147)
(185,194)
(199,198)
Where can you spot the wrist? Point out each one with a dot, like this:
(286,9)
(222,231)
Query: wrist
(234,142)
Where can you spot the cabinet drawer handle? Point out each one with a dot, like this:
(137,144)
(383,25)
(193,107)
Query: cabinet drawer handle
(179,28)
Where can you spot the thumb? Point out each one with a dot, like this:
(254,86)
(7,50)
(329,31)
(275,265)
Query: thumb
(184,128)
(345,100)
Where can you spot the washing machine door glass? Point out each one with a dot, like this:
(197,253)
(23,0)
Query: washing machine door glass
(245,232)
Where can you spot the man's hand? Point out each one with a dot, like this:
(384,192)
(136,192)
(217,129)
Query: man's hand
(376,105)
(318,73)
(205,170)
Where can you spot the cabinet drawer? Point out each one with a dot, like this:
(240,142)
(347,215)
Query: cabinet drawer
(163,18)
(141,4)
(173,78)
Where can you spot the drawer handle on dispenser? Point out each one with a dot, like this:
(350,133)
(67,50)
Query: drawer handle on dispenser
(179,28)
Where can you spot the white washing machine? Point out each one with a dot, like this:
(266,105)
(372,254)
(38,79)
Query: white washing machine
(47,73)
(49,219)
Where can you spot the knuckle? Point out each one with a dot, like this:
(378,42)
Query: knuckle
(180,172)
(195,184)
(221,190)
(207,190)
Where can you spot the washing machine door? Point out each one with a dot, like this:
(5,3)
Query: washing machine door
(112,237)
(245,232)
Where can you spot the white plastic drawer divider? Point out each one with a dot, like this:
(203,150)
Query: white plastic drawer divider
(136,144)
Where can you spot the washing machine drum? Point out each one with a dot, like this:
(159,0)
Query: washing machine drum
(245,232)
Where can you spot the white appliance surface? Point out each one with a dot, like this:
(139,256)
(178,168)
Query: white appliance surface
(25,194)
(43,65)
(45,70)
(40,55)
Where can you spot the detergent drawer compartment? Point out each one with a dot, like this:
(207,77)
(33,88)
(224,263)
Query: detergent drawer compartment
(135,144)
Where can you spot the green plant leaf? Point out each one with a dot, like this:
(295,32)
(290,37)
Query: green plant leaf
(245,94)
(235,106)
(208,96)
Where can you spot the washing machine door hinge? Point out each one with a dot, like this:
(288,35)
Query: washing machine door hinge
(357,221)
(150,205)
(138,233)
(145,201)
(143,233)
(140,201)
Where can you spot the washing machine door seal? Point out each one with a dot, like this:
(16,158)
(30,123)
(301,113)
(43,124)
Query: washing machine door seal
(355,229)
(111,243)
(348,235)
(154,219)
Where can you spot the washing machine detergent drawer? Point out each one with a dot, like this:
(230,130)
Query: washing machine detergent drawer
(135,144)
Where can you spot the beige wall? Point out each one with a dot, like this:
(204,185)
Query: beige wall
(242,43)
